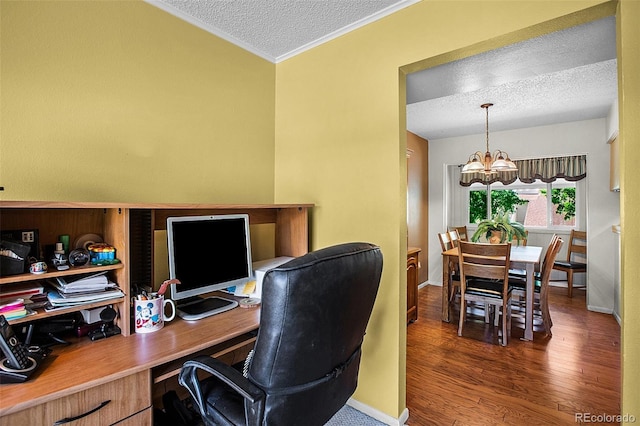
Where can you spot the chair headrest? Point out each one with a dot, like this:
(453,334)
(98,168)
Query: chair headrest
(327,253)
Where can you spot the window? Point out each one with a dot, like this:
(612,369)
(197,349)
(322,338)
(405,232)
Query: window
(530,203)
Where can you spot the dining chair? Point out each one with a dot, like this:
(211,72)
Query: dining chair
(446,243)
(541,288)
(518,278)
(455,237)
(576,258)
(521,273)
(484,278)
(462,232)
(449,240)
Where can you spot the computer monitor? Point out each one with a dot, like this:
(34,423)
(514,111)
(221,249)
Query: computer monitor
(207,253)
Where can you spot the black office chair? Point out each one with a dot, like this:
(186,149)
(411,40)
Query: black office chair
(306,358)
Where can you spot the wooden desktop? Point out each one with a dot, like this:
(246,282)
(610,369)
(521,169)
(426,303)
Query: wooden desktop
(125,370)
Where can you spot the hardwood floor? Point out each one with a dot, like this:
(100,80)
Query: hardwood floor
(471,380)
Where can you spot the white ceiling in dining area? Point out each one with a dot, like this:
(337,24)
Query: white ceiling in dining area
(568,75)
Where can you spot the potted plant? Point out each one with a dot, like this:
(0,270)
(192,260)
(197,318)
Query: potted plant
(500,229)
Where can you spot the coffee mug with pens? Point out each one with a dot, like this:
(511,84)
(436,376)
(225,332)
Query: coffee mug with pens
(150,309)
(150,312)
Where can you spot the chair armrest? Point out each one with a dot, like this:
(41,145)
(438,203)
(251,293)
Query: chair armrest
(225,373)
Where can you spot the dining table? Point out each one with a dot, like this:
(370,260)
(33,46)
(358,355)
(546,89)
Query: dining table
(522,257)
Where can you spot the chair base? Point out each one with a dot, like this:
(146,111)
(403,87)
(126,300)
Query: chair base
(541,314)
(491,311)
(570,272)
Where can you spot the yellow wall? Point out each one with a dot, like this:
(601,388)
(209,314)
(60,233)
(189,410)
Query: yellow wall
(340,142)
(120,101)
(629,137)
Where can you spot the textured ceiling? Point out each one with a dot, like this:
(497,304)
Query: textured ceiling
(279,29)
(568,75)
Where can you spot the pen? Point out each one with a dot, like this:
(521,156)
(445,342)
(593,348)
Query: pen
(165,284)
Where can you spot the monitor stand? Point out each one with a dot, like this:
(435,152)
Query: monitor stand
(195,308)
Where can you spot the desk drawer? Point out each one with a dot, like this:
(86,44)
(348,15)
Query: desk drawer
(127,396)
(143,418)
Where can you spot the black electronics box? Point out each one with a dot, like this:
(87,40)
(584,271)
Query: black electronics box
(14,258)
(24,243)
(24,236)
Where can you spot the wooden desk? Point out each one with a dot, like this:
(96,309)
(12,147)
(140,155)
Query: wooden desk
(70,371)
(124,368)
(522,257)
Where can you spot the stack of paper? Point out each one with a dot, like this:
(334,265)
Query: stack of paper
(13,309)
(91,283)
(58,299)
(82,290)
(21,290)
(17,299)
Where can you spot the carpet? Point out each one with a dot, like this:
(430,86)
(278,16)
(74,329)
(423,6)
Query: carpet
(350,416)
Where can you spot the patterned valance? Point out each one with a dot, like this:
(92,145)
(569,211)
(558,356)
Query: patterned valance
(572,168)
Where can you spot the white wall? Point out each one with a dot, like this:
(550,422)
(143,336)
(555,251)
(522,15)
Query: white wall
(612,121)
(603,206)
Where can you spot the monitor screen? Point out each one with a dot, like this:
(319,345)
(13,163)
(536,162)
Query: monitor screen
(208,253)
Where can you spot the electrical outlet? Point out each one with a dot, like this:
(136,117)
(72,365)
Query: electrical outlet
(28,236)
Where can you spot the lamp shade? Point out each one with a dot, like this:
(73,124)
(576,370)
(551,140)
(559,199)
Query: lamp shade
(473,166)
(500,164)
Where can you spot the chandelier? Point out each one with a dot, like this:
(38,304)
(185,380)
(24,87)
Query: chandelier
(487,163)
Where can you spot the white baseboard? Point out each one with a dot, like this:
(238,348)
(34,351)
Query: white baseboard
(599,309)
(379,415)
(424,284)
(402,420)
(617,317)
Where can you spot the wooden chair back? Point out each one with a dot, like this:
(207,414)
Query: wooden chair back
(577,250)
(445,241)
(462,232)
(455,238)
(484,278)
(488,261)
(547,254)
(549,258)
(576,258)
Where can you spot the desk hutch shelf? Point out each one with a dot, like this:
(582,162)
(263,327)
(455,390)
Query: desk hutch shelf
(129,228)
(130,362)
